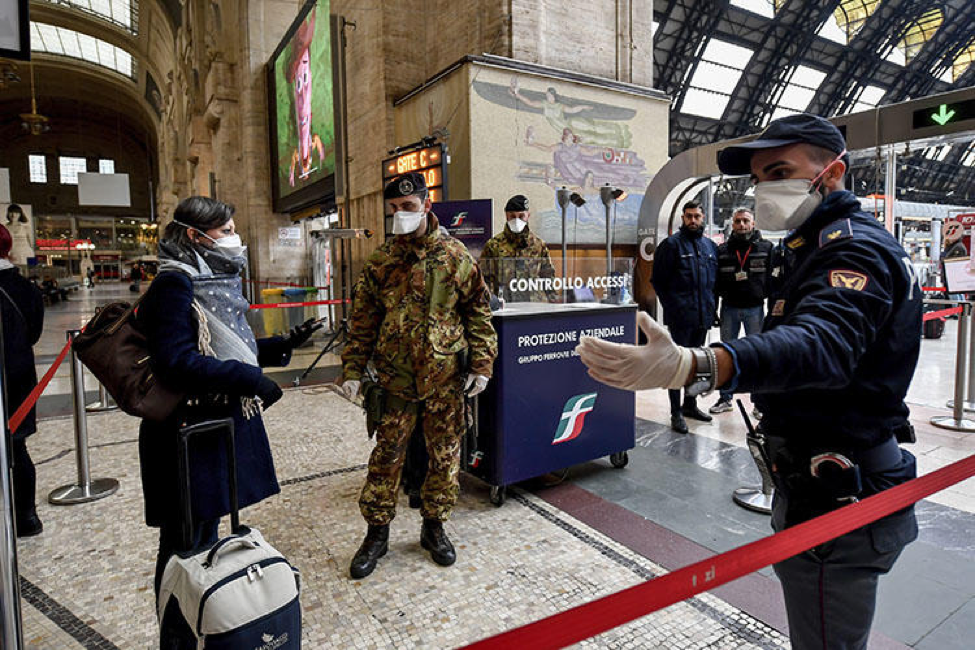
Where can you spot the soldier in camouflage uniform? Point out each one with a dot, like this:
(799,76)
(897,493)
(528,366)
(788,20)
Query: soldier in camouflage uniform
(418,306)
(516,253)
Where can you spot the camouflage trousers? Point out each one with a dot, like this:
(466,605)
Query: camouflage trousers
(441,420)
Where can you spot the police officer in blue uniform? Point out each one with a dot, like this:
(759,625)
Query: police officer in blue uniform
(685,269)
(830,371)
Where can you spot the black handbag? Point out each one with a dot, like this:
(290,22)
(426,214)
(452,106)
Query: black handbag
(115,350)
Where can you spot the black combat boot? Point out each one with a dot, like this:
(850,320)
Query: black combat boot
(677,422)
(434,539)
(374,546)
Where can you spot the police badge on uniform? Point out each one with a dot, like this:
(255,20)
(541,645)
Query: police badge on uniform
(846,279)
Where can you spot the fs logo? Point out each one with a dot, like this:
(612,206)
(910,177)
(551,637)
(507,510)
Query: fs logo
(458,219)
(573,417)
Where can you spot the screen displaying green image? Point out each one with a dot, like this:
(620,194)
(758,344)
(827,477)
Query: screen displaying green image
(304,114)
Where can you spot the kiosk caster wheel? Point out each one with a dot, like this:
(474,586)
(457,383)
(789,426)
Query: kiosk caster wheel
(620,460)
(498,495)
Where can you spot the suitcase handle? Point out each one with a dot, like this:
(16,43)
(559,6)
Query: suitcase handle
(226,425)
(240,539)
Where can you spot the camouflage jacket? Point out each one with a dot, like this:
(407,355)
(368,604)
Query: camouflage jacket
(418,304)
(531,253)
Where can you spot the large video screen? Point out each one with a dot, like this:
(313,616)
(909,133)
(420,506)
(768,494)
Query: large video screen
(302,112)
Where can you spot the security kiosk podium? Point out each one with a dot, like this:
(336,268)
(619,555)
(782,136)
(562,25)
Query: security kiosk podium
(542,412)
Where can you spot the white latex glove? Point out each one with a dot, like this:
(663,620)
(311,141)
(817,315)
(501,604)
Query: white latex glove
(351,388)
(660,363)
(475,384)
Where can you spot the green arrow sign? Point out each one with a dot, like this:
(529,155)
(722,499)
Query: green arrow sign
(943,115)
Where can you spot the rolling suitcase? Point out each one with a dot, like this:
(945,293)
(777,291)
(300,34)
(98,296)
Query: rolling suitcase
(240,594)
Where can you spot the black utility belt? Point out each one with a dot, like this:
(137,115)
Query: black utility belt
(829,475)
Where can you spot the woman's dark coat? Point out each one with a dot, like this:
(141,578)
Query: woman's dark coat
(166,316)
(19,336)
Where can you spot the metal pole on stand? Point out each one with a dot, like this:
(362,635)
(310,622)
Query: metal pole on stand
(85,489)
(969,405)
(562,196)
(11,625)
(956,421)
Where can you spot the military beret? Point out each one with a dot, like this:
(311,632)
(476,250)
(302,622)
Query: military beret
(517,203)
(405,185)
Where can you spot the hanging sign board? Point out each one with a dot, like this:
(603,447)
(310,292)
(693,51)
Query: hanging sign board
(427,161)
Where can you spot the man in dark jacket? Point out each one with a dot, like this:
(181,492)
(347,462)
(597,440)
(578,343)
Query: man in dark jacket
(684,269)
(742,269)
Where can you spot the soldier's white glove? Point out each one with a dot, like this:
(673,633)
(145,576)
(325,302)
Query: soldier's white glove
(351,388)
(475,384)
(660,363)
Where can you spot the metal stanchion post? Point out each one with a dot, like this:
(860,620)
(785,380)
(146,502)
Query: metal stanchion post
(969,404)
(956,421)
(757,499)
(85,489)
(11,625)
(104,402)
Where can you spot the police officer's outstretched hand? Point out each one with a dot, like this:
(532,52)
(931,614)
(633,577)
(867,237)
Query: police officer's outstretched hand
(660,363)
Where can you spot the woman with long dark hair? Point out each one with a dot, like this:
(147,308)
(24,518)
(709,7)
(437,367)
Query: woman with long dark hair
(193,316)
(22,308)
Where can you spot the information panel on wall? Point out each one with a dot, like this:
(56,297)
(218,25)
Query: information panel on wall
(427,161)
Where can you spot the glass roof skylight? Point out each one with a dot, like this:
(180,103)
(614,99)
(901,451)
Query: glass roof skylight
(119,12)
(920,32)
(715,79)
(760,7)
(799,92)
(850,15)
(869,98)
(65,42)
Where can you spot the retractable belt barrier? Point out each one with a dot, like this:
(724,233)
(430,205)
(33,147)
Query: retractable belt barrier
(931,315)
(18,417)
(585,621)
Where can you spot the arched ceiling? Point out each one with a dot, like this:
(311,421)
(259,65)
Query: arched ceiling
(758,52)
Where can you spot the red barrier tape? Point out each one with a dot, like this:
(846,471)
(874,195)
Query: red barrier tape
(585,621)
(281,305)
(931,315)
(933,289)
(18,417)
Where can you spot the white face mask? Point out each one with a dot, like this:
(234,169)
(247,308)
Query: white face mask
(231,246)
(406,222)
(516,225)
(786,204)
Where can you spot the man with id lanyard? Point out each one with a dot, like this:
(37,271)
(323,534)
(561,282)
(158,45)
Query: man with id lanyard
(741,287)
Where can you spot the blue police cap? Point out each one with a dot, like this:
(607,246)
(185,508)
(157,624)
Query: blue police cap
(405,185)
(793,129)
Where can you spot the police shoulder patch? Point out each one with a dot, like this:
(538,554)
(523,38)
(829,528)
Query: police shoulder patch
(846,279)
(835,231)
(795,243)
(778,308)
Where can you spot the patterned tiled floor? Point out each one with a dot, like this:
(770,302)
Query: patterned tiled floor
(87,579)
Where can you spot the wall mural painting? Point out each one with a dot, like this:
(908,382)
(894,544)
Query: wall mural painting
(586,144)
